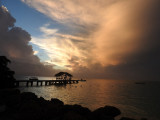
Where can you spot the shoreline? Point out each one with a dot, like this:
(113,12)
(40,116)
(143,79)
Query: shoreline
(15,105)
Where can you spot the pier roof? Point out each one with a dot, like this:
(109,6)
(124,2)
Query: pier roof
(63,73)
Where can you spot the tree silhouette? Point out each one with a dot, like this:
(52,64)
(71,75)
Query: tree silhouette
(63,76)
(6,75)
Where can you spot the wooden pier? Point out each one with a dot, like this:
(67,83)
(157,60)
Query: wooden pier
(45,82)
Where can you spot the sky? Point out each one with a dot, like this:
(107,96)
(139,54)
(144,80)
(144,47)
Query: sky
(113,39)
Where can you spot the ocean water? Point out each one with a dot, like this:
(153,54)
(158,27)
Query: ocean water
(134,100)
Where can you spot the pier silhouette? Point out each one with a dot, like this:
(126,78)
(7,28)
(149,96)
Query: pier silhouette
(45,82)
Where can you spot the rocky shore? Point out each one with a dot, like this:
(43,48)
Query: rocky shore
(15,105)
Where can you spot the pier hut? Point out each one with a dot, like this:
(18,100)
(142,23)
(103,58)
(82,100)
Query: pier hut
(63,76)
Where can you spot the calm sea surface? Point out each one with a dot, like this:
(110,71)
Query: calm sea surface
(134,100)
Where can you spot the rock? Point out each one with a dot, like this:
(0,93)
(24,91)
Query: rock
(56,101)
(143,118)
(126,118)
(76,109)
(25,96)
(108,111)
(9,97)
(100,117)
(41,99)
(8,92)
(52,111)
(73,116)
(2,108)
(81,110)
(105,113)
(29,110)
(6,118)
(29,106)
(28,116)
(13,100)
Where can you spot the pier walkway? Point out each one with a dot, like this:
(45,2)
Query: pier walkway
(45,82)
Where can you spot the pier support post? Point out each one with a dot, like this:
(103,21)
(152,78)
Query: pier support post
(45,82)
(65,82)
(41,83)
(37,83)
(27,83)
(31,83)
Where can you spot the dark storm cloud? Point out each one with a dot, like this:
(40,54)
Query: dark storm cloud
(143,66)
(143,62)
(14,44)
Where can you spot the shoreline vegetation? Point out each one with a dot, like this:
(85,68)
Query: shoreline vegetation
(15,105)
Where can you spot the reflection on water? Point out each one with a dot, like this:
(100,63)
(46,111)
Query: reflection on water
(40,78)
(132,99)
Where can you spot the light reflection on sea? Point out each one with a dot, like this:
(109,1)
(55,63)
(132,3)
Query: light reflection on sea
(134,100)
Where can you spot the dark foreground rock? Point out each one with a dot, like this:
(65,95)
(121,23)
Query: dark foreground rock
(27,106)
(126,118)
(108,111)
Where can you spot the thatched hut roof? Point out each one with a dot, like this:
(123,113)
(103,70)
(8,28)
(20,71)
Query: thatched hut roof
(63,73)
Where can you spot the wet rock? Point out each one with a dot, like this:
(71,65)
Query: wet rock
(41,99)
(27,116)
(81,110)
(2,108)
(8,92)
(29,106)
(76,109)
(10,97)
(107,111)
(29,110)
(25,96)
(144,119)
(100,117)
(56,101)
(52,111)
(73,116)
(126,118)
(6,118)
(13,100)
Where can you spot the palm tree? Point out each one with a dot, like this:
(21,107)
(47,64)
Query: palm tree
(4,61)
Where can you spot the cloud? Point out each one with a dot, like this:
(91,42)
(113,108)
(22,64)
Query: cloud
(122,36)
(14,44)
(35,52)
(124,31)
(59,47)
(62,10)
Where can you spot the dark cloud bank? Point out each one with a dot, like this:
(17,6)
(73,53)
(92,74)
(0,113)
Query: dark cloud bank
(14,44)
(144,62)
